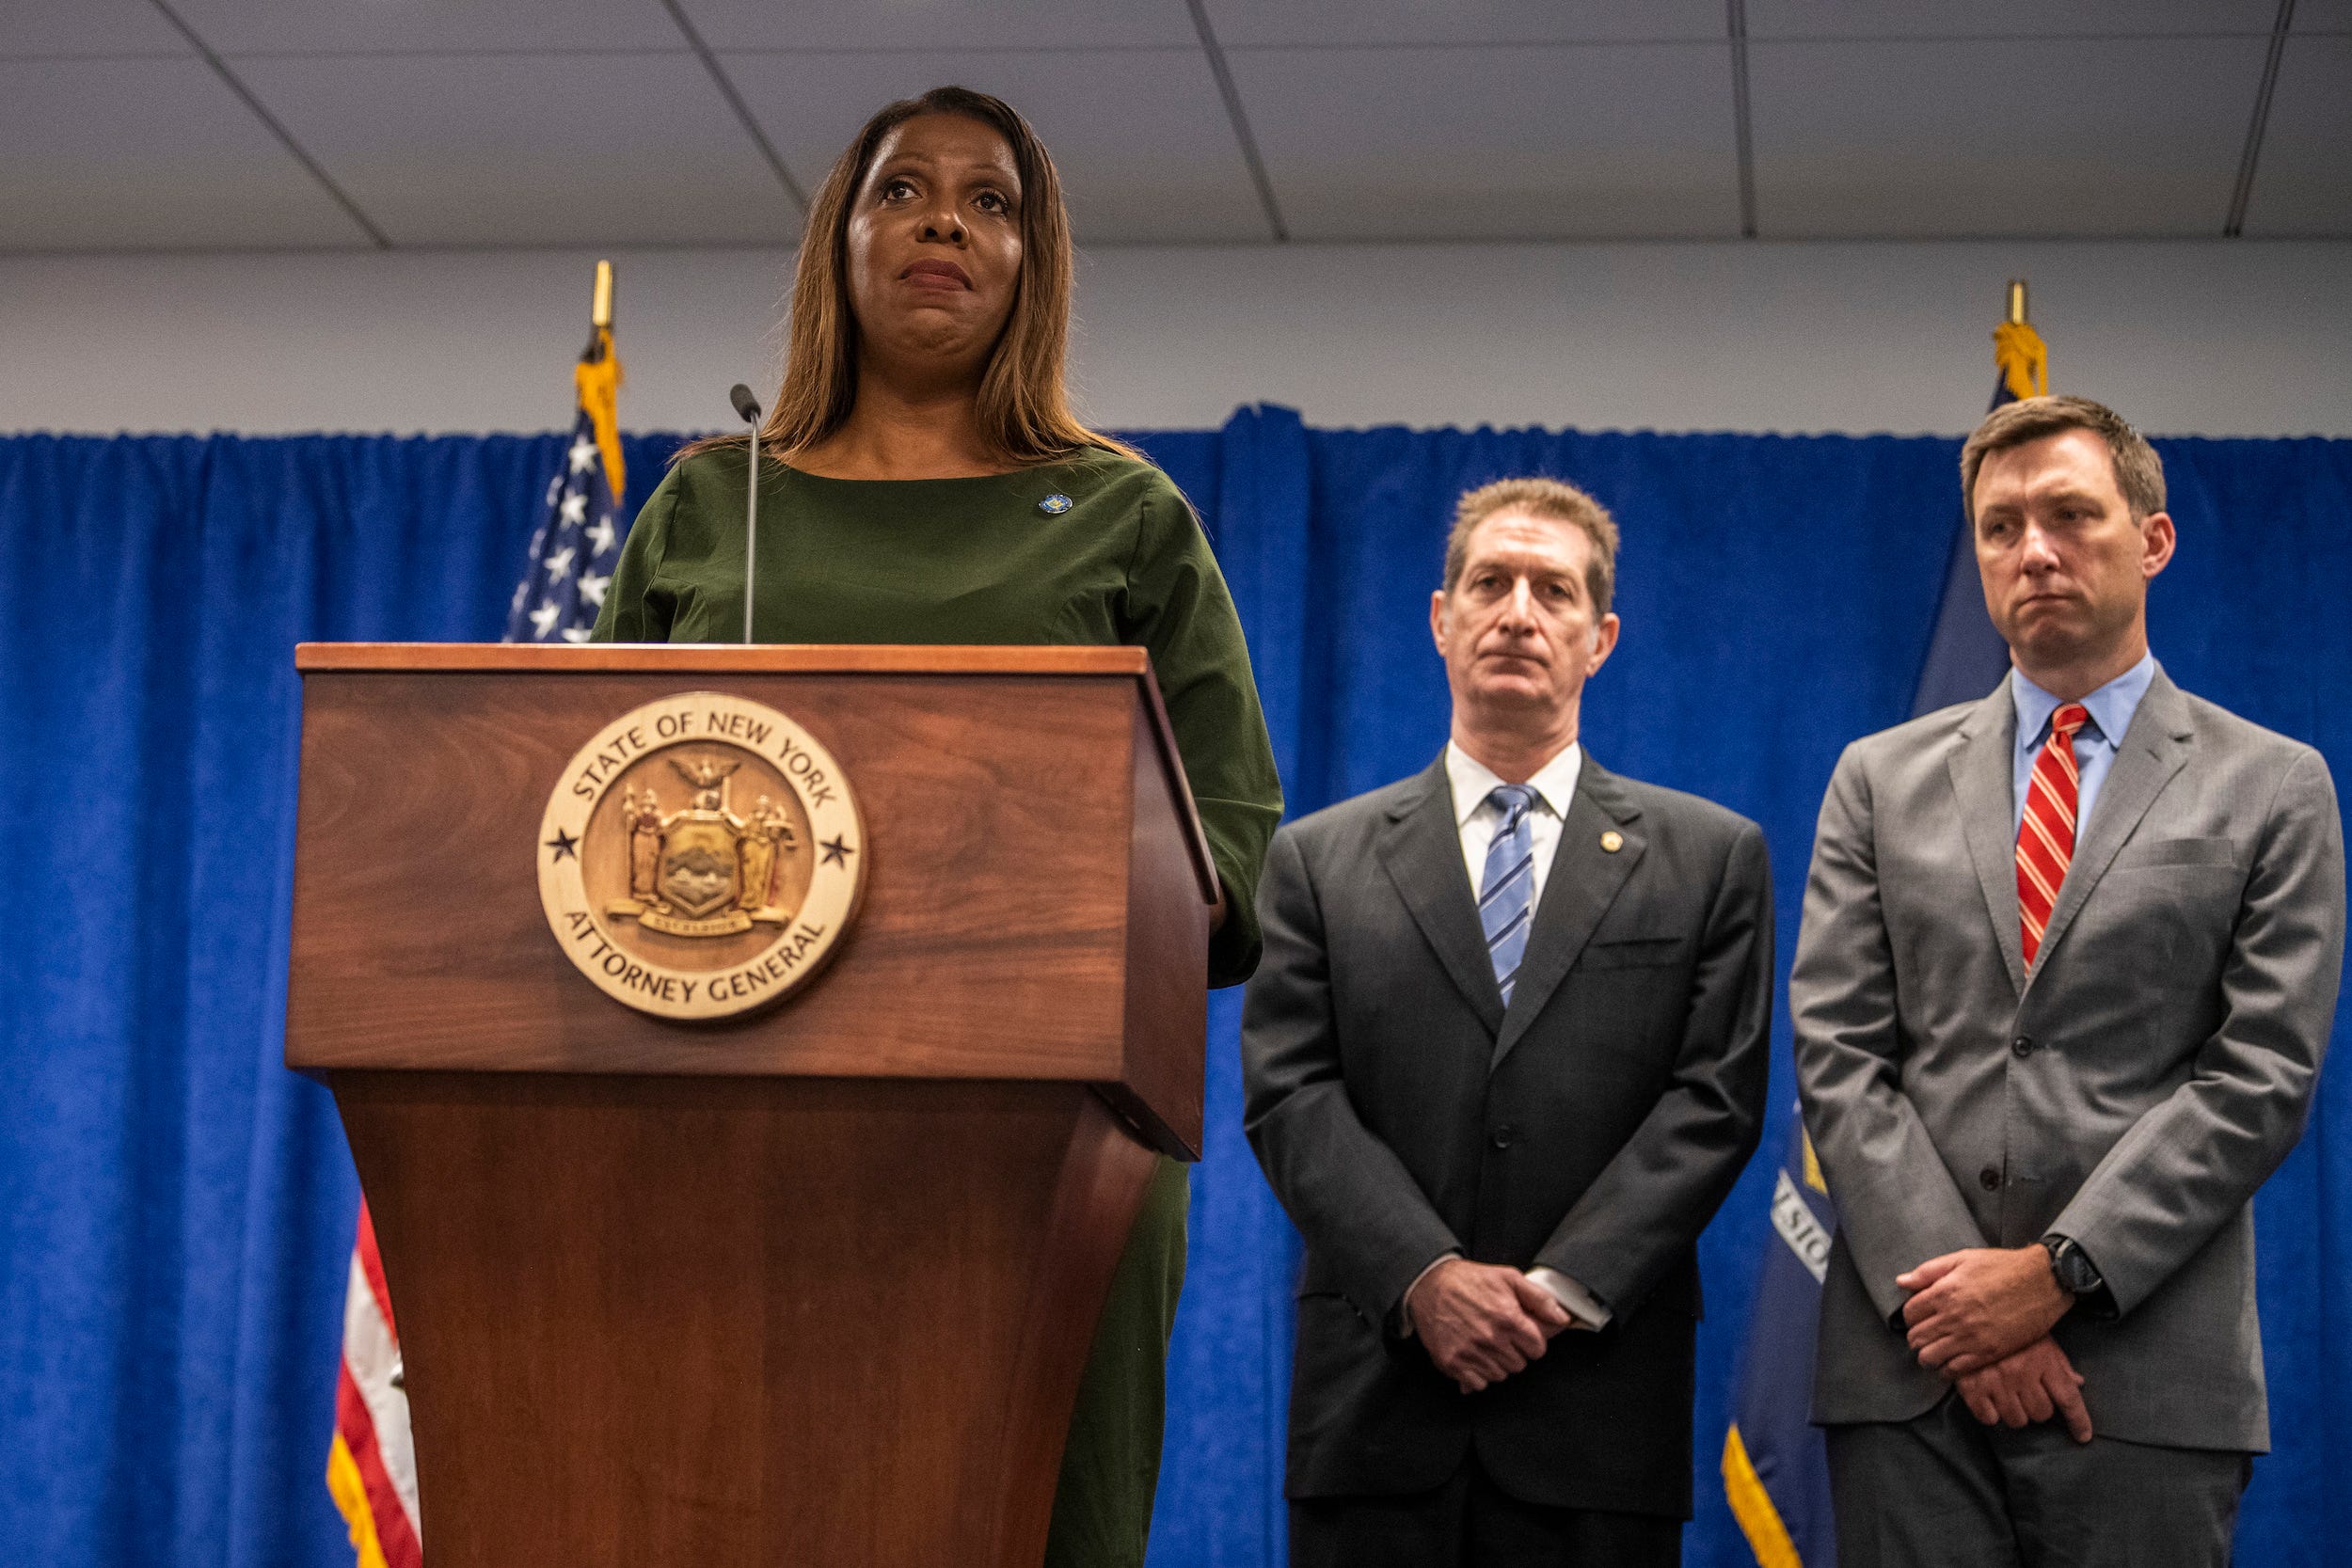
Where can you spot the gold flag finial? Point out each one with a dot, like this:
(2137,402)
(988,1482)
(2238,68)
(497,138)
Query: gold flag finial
(2018,352)
(600,313)
(597,377)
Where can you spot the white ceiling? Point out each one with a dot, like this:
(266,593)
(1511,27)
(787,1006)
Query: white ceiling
(166,124)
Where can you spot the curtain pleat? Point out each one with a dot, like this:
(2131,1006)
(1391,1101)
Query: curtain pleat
(176,1209)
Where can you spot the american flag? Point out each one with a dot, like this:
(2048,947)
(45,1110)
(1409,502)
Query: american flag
(370,1464)
(579,539)
(371,1467)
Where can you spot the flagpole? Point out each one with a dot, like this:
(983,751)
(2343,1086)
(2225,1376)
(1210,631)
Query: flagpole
(2018,302)
(600,312)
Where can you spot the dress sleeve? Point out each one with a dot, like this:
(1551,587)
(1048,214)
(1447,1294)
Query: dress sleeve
(637,607)
(1178,608)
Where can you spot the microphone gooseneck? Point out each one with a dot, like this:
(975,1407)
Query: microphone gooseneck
(747,409)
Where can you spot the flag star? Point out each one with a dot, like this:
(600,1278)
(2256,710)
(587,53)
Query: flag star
(555,487)
(560,563)
(600,536)
(516,603)
(583,453)
(575,507)
(575,634)
(544,618)
(591,589)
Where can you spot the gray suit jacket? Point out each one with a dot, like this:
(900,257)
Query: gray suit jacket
(2132,1092)
(1402,1111)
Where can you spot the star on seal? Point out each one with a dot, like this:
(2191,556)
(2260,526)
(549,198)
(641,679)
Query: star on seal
(1054,504)
(836,852)
(563,844)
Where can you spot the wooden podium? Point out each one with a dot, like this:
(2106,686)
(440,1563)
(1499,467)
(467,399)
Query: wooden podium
(813,1286)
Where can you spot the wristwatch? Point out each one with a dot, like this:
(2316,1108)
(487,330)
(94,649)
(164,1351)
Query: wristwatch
(2075,1273)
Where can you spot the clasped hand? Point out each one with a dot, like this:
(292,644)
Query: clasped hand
(1482,1322)
(1982,1318)
(1969,1309)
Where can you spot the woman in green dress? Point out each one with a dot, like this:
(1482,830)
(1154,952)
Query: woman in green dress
(923,480)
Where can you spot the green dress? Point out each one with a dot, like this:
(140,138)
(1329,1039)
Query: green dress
(1097,548)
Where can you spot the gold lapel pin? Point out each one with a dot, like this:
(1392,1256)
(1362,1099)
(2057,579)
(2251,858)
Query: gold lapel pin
(1612,840)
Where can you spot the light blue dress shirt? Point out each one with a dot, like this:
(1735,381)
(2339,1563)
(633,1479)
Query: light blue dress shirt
(2111,708)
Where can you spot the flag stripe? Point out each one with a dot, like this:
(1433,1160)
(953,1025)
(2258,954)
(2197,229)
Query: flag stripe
(370,1359)
(1760,1521)
(372,1265)
(343,1484)
(388,1522)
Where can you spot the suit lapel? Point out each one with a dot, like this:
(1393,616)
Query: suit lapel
(1983,774)
(1421,848)
(1586,878)
(2154,746)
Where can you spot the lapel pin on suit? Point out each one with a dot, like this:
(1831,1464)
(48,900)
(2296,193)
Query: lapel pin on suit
(1612,840)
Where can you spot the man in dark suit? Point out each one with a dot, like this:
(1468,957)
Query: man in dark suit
(1504,1056)
(2068,967)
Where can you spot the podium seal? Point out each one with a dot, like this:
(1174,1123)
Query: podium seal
(700,856)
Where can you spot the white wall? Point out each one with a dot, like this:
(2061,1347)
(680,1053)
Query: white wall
(2215,338)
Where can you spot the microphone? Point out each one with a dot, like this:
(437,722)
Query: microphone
(747,409)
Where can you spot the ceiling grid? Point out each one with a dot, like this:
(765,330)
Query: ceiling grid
(297,124)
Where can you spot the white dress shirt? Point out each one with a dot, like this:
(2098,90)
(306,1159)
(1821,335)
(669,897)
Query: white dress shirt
(1478,819)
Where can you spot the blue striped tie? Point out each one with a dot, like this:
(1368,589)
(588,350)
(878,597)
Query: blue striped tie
(1507,899)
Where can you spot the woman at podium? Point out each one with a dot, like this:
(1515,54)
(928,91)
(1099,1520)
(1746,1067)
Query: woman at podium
(923,480)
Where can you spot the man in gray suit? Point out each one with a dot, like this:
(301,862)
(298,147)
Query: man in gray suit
(2068,966)
(1504,1055)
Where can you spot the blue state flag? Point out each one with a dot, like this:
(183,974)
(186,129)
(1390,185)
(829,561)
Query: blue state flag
(1775,1465)
(579,539)
(1967,657)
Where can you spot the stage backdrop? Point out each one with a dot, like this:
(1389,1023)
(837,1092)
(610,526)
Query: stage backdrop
(176,1209)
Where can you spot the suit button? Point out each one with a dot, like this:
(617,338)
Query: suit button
(2022,1045)
(1503,1136)
(1989,1179)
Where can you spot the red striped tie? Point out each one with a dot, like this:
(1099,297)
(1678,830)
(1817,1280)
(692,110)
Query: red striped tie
(2045,840)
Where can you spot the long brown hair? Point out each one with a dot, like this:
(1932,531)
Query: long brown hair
(1024,406)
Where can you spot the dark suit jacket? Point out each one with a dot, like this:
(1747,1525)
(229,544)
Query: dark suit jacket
(1401,1112)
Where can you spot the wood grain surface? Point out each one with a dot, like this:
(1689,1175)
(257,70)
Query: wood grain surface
(815,1286)
(737,1322)
(1011,819)
(783,659)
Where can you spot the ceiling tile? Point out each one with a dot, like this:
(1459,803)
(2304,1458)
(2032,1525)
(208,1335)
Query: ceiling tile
(429,26)
(2130,137)
(2303,184)
(1341,24)
(2324,16)
(34,29)
(531,150)
(928,26)
(132,154)
(2017,19)
(1609,140)
(1141,137)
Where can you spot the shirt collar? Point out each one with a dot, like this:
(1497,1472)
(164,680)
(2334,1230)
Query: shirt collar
(1554,783)
(2111,706)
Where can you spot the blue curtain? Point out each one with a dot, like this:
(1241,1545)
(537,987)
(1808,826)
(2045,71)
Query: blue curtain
(176,1210)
